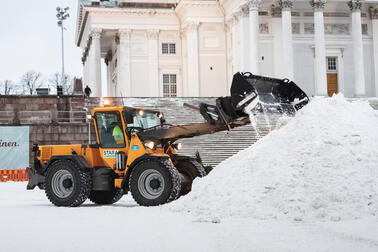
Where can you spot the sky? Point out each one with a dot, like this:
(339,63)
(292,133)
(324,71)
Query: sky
(31,40)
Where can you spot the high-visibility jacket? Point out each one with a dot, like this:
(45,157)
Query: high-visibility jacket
(118,135)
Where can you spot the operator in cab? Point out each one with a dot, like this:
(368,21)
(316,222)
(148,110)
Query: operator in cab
(117,134)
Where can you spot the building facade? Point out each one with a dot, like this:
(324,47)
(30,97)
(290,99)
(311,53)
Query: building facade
(192,48)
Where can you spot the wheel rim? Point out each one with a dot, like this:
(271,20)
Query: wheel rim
(151,184)
(62,184)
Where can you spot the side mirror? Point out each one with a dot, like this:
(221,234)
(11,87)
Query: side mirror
(129,118)
(162,119)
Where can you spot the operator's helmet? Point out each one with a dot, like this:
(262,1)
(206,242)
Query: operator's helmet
(114,124)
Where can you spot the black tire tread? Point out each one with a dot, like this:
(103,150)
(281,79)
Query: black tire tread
(175,179)
(201,172)
(85,185)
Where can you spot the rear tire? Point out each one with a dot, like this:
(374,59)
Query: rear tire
(154,182)
(67,185)
(105,197)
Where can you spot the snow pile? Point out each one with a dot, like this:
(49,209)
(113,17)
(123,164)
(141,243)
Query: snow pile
(323,164)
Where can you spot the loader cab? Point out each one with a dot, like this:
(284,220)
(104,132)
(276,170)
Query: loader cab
(129,120)
(115,128)
(110,129)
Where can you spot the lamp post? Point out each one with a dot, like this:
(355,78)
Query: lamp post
(62,14)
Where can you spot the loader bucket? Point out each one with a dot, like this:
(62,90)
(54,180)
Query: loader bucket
(253,94)
(274,95)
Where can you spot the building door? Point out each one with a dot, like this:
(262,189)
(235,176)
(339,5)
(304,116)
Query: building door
(332,85)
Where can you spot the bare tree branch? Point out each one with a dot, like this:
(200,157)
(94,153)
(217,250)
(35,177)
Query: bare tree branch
(56,80)
(30,81)
(7,87)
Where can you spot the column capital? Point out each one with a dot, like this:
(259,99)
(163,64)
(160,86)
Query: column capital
(192,25)
(153,34)
(253,4)
(244,10)
(235,18)
(276,11)
(96,33)
(124,33)
(373,12)
(318,5)
(286,4)
(355,5)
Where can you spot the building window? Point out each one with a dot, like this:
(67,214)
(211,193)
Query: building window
(296,28)
(364,28)
(331,64)
(172,48)
(168,48)
(169,85)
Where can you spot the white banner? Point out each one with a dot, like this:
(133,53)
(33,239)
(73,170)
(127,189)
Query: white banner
(14,147)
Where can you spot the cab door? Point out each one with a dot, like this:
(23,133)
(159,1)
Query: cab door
(110,135)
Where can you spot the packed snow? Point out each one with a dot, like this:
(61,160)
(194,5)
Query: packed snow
(29,222)
(321,166)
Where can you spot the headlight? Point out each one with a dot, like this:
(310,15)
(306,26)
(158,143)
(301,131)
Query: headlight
(178,146)
(150,145)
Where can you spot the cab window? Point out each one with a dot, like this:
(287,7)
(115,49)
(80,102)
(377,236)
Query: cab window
(110,129)
(136,121)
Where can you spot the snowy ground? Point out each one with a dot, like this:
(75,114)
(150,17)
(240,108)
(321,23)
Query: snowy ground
(30,223)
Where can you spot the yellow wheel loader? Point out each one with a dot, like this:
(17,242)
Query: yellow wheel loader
(136,150)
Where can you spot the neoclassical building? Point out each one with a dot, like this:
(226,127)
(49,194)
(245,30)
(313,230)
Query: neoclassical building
(191,48)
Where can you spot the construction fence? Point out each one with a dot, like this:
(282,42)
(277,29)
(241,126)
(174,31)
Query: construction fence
(14,153)
(13,175)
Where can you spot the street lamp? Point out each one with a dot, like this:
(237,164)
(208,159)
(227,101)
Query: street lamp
(62,14)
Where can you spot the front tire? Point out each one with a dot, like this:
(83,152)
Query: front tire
(106,197)
(66,185)
(154,182)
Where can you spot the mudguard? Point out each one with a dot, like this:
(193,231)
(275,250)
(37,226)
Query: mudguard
(200,170)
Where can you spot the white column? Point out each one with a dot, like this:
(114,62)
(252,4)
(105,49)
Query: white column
(229,55)
(109,71)
(184,60)
(374,21)
(153,62)
(254,41)
(287,39)
(244,39)
(235,48)
(123,64)
(277,42)
(358,56)
(84,78)
(94,61)
(193,59)
(320,51)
